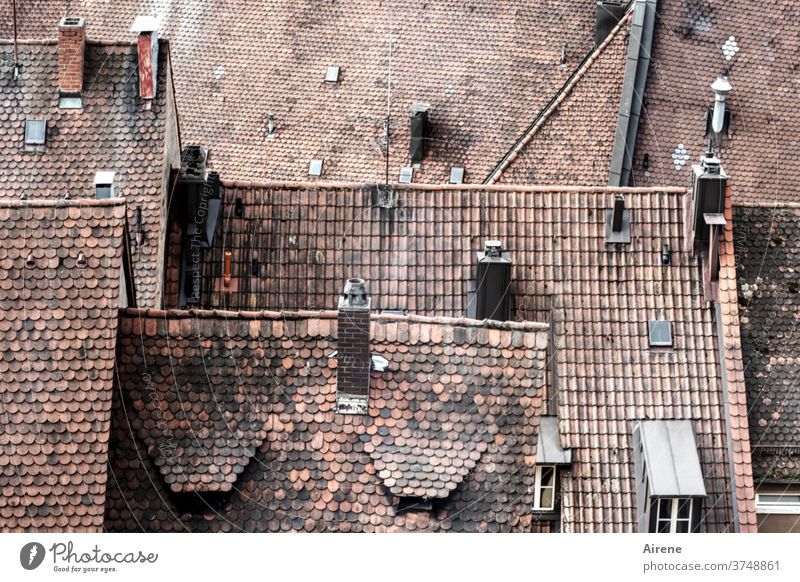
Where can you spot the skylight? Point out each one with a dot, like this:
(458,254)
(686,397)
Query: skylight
(332,75)
(406,174)
(315,168)
(35,131)
(660,333)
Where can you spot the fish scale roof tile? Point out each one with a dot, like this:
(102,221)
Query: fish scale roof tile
(317,470)
(769,298)
(235,67)
(112,132)
(58,331)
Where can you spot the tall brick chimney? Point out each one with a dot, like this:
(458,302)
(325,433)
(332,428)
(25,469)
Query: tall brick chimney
(354,360)
(71,49)
(147,27)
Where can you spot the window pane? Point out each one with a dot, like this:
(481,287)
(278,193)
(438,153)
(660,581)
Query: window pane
(548,476)
(663,526)
(682,526)
(546,500)
(685,509)
(779,499)
(664,509)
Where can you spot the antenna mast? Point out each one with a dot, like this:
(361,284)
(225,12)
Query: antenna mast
(387,122)
(16,60)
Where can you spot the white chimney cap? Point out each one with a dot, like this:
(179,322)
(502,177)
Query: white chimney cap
(145,24)
(104,178)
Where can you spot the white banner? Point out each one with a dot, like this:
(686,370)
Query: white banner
(400,557)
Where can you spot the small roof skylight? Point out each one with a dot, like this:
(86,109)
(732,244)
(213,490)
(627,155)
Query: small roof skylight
(332,74)
(35,130)
(406,174)
(315,168)
(456,175)
(660,333)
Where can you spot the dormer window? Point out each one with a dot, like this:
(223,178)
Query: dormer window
(673,515)
(544,496)
(669,480)
(35,132)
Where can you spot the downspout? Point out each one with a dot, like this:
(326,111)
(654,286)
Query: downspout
(723,369)
(633,88)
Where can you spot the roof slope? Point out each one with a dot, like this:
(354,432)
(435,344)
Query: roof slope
(687,56)
(598,297)
(768,247)
(58,333)
(486,72)
(112,132)
(453,417)
(572,139)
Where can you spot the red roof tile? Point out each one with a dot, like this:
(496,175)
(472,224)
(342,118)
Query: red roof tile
(469,444)
(58,330)
(687,56)
(112,132)
(486,72)
(571,140)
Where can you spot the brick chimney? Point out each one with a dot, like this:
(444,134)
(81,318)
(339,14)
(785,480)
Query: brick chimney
(353,355)
(71,49)
(147,27)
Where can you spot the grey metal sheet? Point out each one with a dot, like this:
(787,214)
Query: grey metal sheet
(670,458)
(548,450)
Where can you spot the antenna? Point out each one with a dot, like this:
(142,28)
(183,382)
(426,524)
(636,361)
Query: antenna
(388,99)
(16,60)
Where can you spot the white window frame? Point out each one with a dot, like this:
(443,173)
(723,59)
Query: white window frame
(673,515)
(539,487)
(765,507)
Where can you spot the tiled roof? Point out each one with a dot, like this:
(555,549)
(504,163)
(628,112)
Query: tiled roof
(768,250)
(486,73)
(571,140)
(112,132)
(454,418)
(599,297)
(58,333)
(692,42)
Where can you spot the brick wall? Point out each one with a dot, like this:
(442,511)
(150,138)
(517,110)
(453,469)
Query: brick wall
(71,49)
(353,355)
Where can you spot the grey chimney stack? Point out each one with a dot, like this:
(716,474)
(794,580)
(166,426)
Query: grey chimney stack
(493,293)
(353,355)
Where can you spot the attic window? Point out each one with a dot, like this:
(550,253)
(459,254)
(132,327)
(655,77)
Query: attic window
(414,504)
(544,498)
(35,131)
(660,333)
(315,168)
(406,174)
(456,175)
(332,75)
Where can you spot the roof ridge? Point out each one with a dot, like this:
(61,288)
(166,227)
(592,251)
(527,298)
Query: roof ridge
(602,188)
(329,314)
(61,202)
(555,102)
